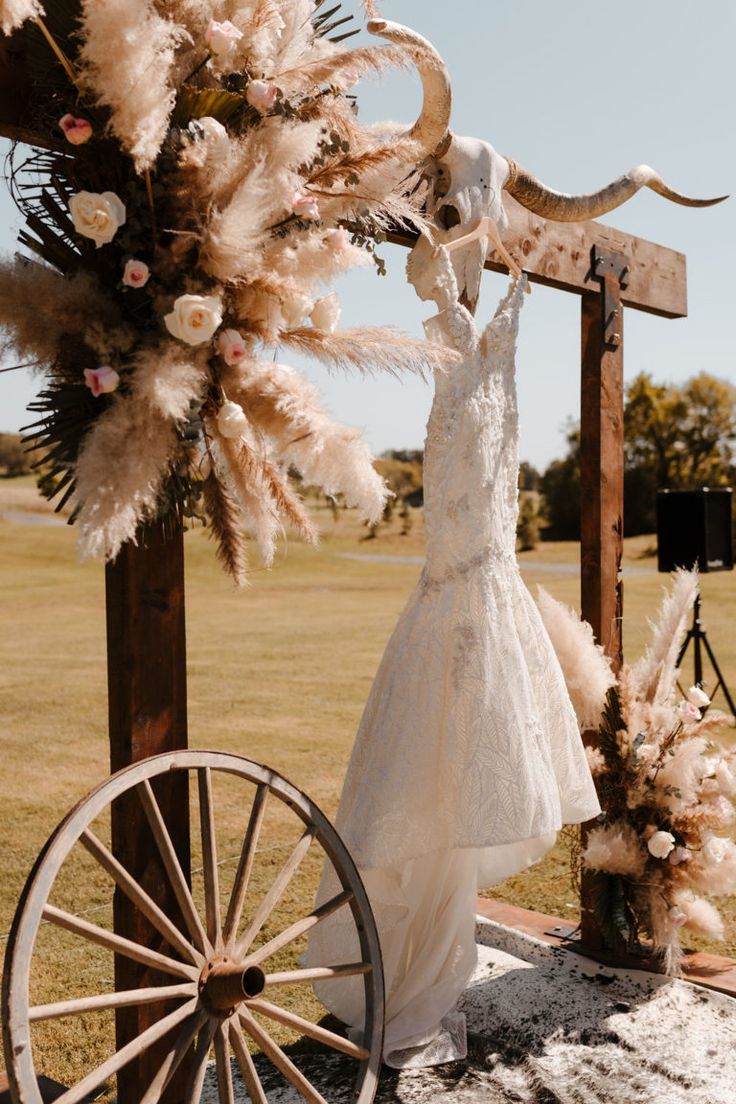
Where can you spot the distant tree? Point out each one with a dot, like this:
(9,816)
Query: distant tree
(529,477)
(674,436)
(529,523)
(14,460)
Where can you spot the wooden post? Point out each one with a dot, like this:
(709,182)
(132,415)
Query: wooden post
(601,487)
(146,663)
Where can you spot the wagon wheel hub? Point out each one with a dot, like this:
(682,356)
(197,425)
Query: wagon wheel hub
(224,984)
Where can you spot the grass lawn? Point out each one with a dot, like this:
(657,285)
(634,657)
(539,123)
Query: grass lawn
(278,672)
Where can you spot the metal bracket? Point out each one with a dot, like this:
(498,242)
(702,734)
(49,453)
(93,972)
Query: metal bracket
(612,269)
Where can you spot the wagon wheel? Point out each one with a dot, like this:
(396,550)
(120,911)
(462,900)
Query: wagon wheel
(216,965)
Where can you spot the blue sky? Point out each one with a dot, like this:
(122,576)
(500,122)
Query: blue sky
(577,92)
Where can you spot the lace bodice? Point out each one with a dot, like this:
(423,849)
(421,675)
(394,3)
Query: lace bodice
(471,461)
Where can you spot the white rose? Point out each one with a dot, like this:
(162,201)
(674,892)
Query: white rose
(716,848)
(215,137)
(326,313)
(194,318)
(698,697)
(660,844)
(231,421)
(96,216)
(262,96)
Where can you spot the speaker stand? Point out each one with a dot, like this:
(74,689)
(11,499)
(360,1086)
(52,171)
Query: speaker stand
(698,636)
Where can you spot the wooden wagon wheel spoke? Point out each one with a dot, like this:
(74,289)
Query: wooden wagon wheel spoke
(174,1058)
(200,1060)
(121,1057)
(279,1059)
(209,858)
(225,1093)
(306,1027)
(246,1065)
(139,897)
(173,867)
(300,927)
(126,998)
(317,973)
(117,943)
(275,893)
(245,864)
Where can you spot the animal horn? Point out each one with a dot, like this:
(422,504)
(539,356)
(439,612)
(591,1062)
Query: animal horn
(432,129)
(562,207)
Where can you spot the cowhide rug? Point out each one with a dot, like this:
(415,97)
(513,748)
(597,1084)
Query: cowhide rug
(546,1026)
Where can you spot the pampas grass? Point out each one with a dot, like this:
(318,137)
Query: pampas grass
(587,669)
(367,348)
(126,59)
(13,13)
(654,674)
(125,456)
(615,849)
(39,308)
(224,521)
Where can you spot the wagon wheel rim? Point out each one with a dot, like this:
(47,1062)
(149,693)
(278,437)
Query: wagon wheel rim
(220,978)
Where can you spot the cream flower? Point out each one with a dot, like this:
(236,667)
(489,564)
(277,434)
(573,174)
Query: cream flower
(97,216)
(136,273)
(194,318)
(261,95)
(231,421)
(679,855)
(222,38)
(231,347)
(698,697)
(101,380)
(214,137)
(326,313)
(677,916)
(660,844)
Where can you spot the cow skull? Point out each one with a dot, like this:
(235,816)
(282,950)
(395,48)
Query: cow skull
(468,177)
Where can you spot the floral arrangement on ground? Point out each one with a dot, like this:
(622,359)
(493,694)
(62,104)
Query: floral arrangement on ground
(200,177)
(666,785)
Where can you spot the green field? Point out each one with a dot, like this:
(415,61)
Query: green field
(278,672)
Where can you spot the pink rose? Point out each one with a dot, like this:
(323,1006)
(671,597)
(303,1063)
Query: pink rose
(688,712)
(305,207)
(338,239)
(136,273)
(261,95)
(101,380)
(76,131)
(222,37)
(679,855)
(698,697)
(231,347)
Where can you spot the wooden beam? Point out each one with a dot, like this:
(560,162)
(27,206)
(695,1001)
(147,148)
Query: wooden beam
(558,255)
(146,660)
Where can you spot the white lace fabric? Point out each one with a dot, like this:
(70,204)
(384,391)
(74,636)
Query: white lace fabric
(468,757)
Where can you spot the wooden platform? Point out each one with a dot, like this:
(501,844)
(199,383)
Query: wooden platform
(709,970)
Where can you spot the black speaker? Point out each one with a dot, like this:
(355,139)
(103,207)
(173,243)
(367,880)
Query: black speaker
(694,528)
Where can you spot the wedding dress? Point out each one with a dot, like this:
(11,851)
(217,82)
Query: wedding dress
(468,758)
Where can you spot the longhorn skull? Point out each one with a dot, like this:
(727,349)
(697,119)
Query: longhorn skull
(469,176)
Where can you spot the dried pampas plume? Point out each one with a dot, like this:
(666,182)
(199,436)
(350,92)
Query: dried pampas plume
(224,520)
(127,57)
(367,347)
(13,13)
(125,456)
(615,849)
(39,307)
(586,667)
(655,673)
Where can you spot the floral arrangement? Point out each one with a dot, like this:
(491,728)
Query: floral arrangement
(667,787)
(201,177)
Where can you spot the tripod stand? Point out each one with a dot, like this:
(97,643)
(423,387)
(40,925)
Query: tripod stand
(698,636)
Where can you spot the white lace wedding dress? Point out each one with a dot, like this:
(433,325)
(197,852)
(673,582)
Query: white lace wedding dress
(468,758)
